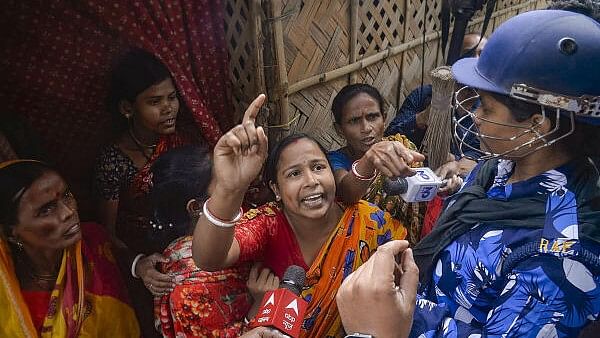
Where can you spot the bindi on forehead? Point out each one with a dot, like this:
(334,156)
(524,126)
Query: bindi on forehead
(48,187)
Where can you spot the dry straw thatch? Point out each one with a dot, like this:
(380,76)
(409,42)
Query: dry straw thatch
(301,52)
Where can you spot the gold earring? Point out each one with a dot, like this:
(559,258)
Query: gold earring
(16,242)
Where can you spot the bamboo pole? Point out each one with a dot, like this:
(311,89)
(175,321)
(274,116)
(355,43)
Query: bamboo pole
(402,61)
(259,79)
(362,64)
(388,52)
(268,52)
(259,70)
(282,85)
(353,36)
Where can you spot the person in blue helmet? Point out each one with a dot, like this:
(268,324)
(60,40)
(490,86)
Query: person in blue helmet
(516,252)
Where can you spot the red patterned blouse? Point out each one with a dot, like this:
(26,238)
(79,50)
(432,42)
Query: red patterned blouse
(264,235)
(203,304)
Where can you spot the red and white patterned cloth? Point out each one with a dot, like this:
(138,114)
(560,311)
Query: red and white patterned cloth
(203,304)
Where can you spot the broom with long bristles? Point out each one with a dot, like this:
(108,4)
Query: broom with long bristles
(438,136)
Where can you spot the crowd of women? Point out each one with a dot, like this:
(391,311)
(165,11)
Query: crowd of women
(515,252)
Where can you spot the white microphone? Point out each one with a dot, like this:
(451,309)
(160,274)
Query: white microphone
(421,187)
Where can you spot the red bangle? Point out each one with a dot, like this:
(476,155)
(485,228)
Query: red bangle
(359,176)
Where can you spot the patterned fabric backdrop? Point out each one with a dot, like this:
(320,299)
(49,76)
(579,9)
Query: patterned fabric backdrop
(55,62)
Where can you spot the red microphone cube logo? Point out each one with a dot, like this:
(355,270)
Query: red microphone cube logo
(282,310)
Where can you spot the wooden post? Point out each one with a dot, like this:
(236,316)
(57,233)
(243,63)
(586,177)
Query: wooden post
(269,69)
(401,72)
(281,91)
(353,36)
(259,70)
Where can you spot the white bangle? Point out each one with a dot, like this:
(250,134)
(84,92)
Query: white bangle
(362,177)
(134,264)
(220,222)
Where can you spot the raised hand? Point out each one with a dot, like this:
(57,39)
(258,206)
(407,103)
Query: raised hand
(241,152)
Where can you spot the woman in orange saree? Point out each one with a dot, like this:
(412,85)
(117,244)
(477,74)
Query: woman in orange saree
(305,228)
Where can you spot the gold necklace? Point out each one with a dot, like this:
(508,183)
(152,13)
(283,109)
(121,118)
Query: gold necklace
(43,281)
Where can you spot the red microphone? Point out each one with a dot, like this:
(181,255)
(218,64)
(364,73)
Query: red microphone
(283,309)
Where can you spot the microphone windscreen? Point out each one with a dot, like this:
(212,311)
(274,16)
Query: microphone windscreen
(395,186)
(294,278)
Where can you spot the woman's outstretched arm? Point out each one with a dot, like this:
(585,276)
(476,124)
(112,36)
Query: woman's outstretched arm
(238,158)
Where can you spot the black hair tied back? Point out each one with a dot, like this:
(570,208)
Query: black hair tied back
(179,175)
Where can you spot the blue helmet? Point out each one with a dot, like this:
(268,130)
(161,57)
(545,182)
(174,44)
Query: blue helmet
(548,57)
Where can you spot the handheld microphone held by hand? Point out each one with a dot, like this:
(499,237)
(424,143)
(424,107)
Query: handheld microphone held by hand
(421,187)
(283,309)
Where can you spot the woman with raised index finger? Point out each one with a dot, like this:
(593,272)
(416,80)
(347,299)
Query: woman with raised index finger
(305,227)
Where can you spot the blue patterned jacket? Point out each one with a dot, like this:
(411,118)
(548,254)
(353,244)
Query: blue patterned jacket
(497,281)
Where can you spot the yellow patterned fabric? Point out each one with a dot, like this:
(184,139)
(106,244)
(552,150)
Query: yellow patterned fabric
(362,228)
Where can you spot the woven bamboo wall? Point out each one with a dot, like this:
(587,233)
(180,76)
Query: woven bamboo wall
(301,52)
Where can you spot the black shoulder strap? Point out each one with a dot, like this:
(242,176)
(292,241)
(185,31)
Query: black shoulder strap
(463,12)
(489,9)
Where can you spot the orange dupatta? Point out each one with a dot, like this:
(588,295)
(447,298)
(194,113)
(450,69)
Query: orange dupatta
(362,228)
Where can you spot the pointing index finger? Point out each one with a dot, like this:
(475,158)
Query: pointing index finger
(253,109)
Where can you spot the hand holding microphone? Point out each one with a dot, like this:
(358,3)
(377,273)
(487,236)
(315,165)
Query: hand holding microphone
(283,308)
(391,158)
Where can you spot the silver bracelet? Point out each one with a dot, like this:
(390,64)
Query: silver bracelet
(134,264)
(220,222)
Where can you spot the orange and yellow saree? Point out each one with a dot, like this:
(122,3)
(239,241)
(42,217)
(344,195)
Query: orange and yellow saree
(362,228)
(88,299)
